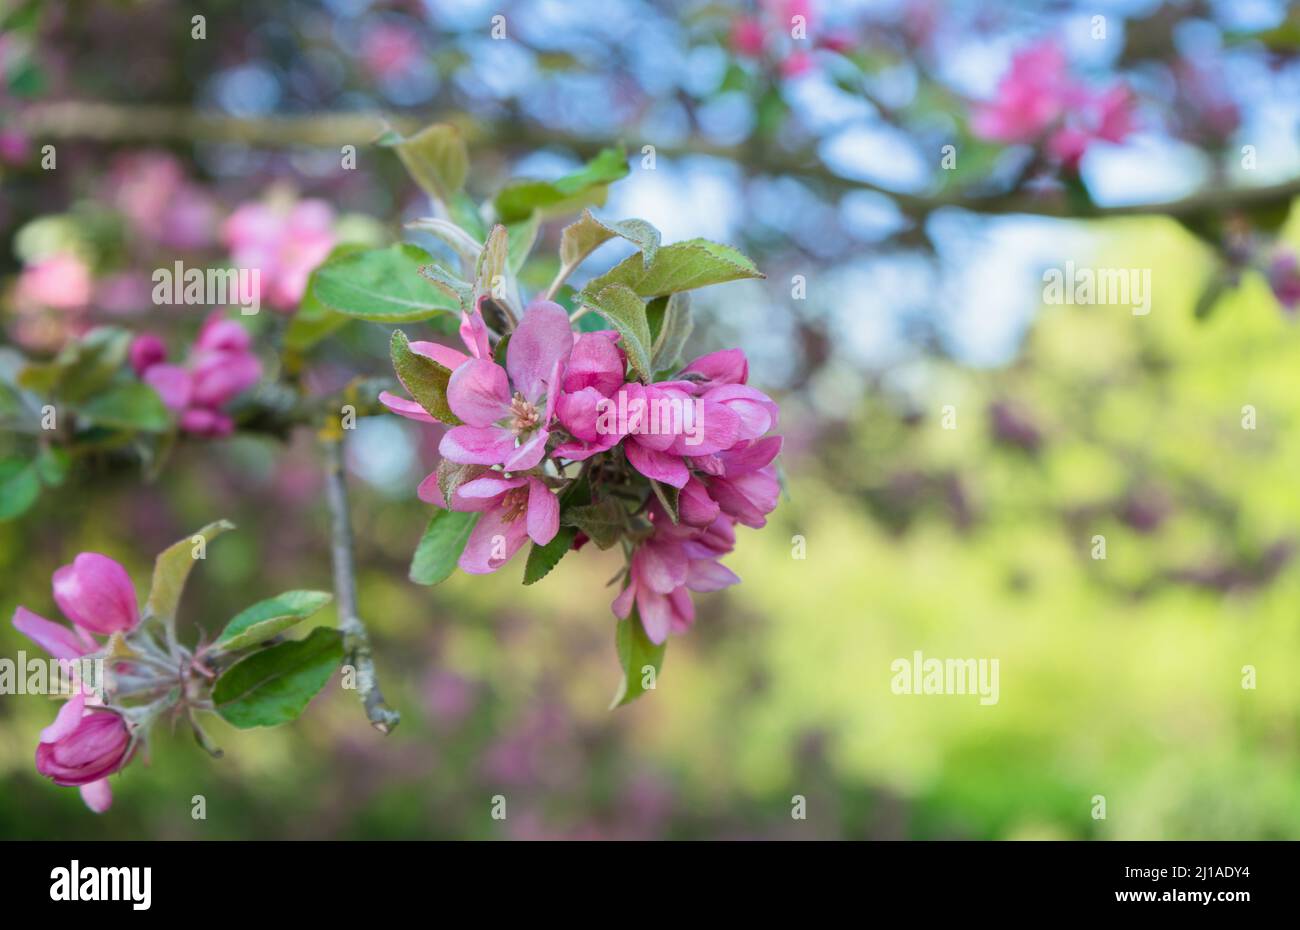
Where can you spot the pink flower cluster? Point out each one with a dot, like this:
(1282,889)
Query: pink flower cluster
(771,31)
(86,742)
(564,397)
(1284,279)
(161,204)
(285,240)
(220,366)
(1038,101)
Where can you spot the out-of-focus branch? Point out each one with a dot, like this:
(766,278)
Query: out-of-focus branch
(143,123)
(356,639)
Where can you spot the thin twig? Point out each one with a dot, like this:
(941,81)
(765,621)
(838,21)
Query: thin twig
(355,638)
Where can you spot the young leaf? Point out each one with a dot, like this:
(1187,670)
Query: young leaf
(424,379)
(493,263)
(668,497)
(521,236)
(454,287)
(586,186)
(381,285)
(436,159)
(541,559)
(672,333)
(603,522)
(129,405)
(641,659)
(172,568)
(268,618)
(626,313)
(19,487)
(443,541)
(461,242)
(582,238)
(275,685)
(682,266)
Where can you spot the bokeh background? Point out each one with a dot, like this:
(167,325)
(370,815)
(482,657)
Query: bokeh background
(1119,677)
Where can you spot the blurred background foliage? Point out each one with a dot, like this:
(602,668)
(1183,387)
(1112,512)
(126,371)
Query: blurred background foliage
(1119,677)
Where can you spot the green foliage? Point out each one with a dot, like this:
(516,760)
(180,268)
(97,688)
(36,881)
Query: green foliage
(172,570)
(314,320)
(435,157)
(20,486)
(582,238)
(275,685)
(381,285)
(269,618)
(541,559)
(128,405)
(639,658)
(585,187)
(423,378)
(441,545)
(682,266)
(626,313)
(670,327)
(604,521)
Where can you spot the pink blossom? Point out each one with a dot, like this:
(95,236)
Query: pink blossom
(507,412)
(150,188)
(747,36)
(1030,98)
(82,747)
(221,365)
(96,594)
(512,510)
(389,50)
(1284,279)
(667,567)
(1038,101)
(59,282)
(284,241)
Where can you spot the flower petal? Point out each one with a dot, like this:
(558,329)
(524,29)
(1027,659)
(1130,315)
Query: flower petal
(541,339)
(54,638)
(543,512)
(67,720)
(405,408)
(96,593)
(97,795)
(479,392)
(492,542)
(530,453)
(477,445)
(445,356)
(661,466)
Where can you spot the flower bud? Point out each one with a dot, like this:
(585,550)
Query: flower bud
(96,594)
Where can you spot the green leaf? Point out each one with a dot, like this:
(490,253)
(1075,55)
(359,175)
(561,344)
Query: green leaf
(603,522)
(682,266)
(639,658)
(465,214)
(268,618)
(522,235)
(626,313)
(275,685)
(436,159)
(381,285)
(668,497)
(584,187)
(453,286)
(461,242)
(541,559)
(493,263)
(443,541)
(52,465)
(82,368)
(129,405)
(582,238)
(424,379)
(20,486)
(172,569)
(674,329)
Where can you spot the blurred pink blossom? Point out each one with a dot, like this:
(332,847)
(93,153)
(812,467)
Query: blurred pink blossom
(285,240)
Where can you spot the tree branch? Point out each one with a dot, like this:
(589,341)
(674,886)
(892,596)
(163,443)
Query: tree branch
(355,638)
(138,123)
